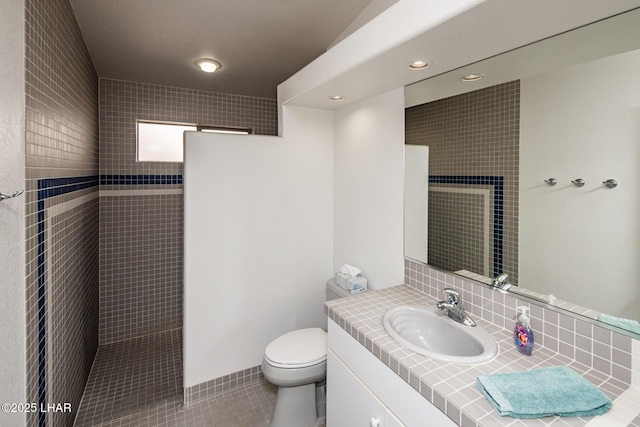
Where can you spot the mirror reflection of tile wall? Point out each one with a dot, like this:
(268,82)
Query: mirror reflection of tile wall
(448,210)
(473,142)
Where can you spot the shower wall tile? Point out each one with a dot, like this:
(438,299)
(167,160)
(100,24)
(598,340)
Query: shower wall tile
(73,274)
(141,265)
(122,103)
(61,162)
(141,203)
(473,138)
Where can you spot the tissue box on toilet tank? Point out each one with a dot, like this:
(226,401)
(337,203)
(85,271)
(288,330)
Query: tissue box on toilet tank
(352,284)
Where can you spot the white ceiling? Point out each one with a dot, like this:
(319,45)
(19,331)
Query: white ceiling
(450,34)
(260,43)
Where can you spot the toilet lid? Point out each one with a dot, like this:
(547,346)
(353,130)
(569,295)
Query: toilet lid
(298,349)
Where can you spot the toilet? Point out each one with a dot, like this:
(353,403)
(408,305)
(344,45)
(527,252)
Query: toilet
(296,362)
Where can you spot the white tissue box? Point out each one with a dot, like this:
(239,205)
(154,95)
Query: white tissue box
(357,284)
(352,284)
(341,280)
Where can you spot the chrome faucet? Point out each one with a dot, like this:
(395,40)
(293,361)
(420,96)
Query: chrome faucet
(454,307)
(500,282)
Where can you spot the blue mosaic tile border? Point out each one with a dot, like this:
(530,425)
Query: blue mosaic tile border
(140,179)
(497,182)
(50,187)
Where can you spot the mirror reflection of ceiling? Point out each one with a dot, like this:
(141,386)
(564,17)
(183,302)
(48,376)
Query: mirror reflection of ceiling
(575,104)
(604,38)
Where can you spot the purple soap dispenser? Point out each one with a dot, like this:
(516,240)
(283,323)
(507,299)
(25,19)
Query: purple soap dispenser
(522,333)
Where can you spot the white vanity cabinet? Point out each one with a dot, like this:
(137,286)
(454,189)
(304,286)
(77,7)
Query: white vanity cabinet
(350,403)
(362,391)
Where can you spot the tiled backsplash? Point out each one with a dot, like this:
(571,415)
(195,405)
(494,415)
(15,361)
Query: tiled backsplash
(473,142)
(582,340)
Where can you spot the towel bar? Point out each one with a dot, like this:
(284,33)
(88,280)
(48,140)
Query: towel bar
(5,196)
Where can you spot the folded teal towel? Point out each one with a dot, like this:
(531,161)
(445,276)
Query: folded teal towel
(628,324)
(543,392)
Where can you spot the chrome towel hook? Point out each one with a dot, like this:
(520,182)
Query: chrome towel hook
(551,182)
(16,194)
(578,182)
(610,183)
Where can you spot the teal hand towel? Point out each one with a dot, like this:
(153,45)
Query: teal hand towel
(628,324)
(543,392)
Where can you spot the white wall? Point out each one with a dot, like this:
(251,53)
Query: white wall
(12,214)
(368,188)
(258,240)
(264,216)
(582,122)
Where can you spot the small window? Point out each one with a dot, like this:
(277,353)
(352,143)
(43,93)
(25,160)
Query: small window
(162,142)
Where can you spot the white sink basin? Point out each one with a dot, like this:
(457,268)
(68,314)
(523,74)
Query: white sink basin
(428,331)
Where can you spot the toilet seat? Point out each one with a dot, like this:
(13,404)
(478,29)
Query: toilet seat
(297,349)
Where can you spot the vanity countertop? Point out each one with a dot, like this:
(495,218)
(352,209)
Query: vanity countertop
(452,387)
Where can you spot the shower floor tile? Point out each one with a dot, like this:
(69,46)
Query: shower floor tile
(139,383)
(131,375)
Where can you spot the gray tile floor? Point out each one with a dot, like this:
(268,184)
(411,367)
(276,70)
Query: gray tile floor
(139,383)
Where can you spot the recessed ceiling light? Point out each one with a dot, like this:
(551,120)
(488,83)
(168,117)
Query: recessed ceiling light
(208,65)
(418,65)
(471,77)
(336,98)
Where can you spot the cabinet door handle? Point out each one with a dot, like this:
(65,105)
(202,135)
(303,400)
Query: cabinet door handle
(375,422)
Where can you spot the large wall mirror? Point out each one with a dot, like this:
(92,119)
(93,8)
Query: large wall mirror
(534,170)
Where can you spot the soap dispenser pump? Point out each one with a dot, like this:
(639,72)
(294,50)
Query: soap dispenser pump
(522,333)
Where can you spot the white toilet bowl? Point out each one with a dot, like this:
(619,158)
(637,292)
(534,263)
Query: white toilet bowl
(294,362)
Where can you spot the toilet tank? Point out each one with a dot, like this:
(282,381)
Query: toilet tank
(334,291)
